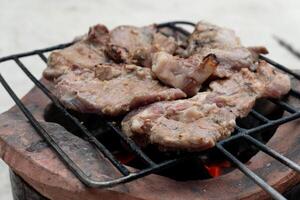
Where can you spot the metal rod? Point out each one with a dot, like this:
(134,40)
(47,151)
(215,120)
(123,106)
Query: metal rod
(261,127)
(265,186)
(30,53)
(274,123)
(43,57)
(173,23)
(288,46)
(43,133)
(279,66)
(284,105)
(295,93)
(133,147)
(239,129)
(69,162)
(181,30)
(82,128)
(259,116)
(273,153)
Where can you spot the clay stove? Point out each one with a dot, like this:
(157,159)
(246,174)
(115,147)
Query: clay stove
(63,155)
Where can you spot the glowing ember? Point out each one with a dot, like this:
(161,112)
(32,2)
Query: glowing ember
(216,169)
(124,158)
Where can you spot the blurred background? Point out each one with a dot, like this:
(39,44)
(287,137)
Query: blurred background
(27,25)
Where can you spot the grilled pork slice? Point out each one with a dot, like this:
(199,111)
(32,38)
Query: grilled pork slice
(85,53)
(186,74)
(134,45)
(198,123)
(192,124)
(232,60)
(111,89)
(276,84)
(207,40)
(223,42)
(218,62)
(209,36)
(241,90)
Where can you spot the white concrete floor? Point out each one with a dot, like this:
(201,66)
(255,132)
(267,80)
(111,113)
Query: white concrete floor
(31,24)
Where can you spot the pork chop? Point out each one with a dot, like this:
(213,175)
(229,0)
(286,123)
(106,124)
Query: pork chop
(111,89)
(185,74)
(209,36)
(207,40)
(241,90)
(192,124)
(199,122)
(134,45)
(86,52)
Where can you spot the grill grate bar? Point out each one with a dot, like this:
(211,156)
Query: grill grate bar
(133,147)
(82,128)
(279,66)
(174,23)
(273,123)
(68,161)
(275,194)
(239,129)
(43,133)
(176,28)
(262,127)
(179,29)
(284,105)
(31,53)
(295,93)
(259,116)
(273,153)
(43,57)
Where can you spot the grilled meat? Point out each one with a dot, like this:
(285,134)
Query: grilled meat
(198,123)
(276,83)
(111,89)
(186,74)
(241,90)
(211,39)
(85,53)
(134,45)
(192,124)
(189,73)
(87,79)
(234,59)
(209,36)
(206,41)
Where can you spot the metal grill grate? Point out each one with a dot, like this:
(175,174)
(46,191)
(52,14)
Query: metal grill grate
(152,166)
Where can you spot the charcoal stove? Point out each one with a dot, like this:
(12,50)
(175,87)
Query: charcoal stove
(64,165)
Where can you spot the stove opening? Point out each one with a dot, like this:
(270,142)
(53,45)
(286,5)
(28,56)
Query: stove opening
(209,164)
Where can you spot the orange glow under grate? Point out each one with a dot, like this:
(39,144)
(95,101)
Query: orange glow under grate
(216,169)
